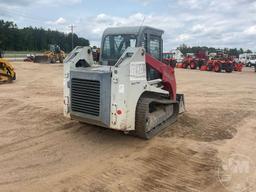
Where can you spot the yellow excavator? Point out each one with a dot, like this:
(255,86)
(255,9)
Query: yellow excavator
(54,55)
(7,73)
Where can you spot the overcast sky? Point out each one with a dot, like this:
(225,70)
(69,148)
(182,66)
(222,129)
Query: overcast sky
(217,23)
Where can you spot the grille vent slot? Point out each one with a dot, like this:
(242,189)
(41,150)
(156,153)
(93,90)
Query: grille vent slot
(85,96)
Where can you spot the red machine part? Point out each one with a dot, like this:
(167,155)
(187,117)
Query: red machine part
(238,66)
(167,73)
(197,61)
(217,65)
(169,59)
(201,55)
(203,68)
(179,65)
(187,61)
(194,63)
(190,60)
(214,65)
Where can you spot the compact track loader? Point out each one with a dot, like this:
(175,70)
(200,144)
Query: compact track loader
(7,73)
(130,89)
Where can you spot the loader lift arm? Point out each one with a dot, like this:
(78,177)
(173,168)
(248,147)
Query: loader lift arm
(167,73)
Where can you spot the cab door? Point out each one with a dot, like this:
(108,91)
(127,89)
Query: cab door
(155,47)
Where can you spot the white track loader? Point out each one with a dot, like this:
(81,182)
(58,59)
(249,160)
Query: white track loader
(130,89)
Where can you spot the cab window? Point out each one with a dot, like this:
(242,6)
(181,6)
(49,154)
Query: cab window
(115,45)
(154,46)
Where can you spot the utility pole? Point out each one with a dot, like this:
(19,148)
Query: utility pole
(72,33)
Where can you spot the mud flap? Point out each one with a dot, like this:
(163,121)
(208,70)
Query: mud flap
(180,99)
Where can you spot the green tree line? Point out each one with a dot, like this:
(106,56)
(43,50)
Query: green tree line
(233,51)
(35,39)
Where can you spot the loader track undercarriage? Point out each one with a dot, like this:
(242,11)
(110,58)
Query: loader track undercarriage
(153,114)
(5,78)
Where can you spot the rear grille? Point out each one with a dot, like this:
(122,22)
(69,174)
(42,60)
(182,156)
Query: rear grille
(85,96)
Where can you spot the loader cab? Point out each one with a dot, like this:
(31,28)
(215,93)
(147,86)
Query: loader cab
(55,48)
(116,40)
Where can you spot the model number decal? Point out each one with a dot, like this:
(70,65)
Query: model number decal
(137,71)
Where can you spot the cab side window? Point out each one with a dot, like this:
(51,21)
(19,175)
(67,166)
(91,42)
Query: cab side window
(155,51)
(154,46)
(106,49)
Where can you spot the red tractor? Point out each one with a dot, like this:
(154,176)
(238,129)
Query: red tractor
(189,61)
(220,62)
(195,61)
(201,59)
(219,65)
(168,58)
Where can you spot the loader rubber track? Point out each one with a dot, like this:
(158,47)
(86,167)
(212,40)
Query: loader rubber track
(142,112)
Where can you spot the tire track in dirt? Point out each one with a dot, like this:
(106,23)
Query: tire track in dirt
(179,169)
(208,125)
(36,126)
(158,165)
(33,122)
(33,147)
(184,167)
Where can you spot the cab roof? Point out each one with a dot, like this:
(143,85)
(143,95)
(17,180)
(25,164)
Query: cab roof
(132,30)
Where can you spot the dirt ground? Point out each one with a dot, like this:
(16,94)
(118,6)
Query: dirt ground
(40,150)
